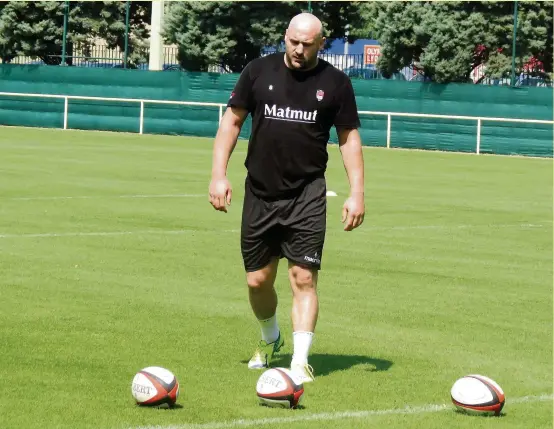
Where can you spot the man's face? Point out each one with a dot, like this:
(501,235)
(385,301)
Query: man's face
(302,47)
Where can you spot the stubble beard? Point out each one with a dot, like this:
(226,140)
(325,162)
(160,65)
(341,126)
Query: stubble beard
(304,63)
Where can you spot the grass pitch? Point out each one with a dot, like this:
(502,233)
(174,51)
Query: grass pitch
(113,260)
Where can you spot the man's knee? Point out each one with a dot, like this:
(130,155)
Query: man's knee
(302,278)
(262,278)
(257,280)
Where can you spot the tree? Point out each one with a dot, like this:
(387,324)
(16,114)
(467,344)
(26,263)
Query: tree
(448,40)
(36,28)
(335,15)
(6,51)
(364,27)
(108,23)
(231,34)
(32,28)
(533,41)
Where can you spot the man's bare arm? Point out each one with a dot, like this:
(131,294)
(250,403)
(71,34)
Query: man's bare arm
(224,144)
(226,139)
(350,144)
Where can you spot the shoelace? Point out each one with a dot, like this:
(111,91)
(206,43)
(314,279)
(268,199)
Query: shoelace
(308,369)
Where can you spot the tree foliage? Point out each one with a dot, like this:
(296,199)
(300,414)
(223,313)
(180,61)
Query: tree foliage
(32,28)
(448,40)
(231,34)
(365,25)
(336,15)
(36,28)
(108,20)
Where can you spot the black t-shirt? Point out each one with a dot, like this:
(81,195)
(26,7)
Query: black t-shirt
(292,115)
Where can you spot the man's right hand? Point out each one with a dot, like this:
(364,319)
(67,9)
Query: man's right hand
(220,193)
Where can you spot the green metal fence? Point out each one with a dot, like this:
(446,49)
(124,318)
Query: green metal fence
(453,117)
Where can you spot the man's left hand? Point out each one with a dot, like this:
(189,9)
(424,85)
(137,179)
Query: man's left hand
(353,211)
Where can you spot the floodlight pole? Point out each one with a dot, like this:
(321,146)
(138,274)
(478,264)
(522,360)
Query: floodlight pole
(65,13)
(156,60)
(127,7)
(513,82)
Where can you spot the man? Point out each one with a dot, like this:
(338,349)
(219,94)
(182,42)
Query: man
(294,99)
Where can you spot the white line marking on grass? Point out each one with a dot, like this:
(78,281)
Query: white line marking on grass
(467,226)
(341,415)
(186,231)
(113,233)
(86,197)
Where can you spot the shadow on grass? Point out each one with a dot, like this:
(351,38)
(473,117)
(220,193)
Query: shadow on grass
(325,364)
(175,406)
(481,416)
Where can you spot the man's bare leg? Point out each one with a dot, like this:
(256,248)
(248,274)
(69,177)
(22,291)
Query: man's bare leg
(305,311)
(261,291)
(263,300)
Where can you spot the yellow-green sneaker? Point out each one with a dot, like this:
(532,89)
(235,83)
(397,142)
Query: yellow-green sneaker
(264,353)
(303,373)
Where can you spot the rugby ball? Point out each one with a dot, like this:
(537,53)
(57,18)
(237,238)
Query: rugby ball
(155,386)
(278,388)
(477,394)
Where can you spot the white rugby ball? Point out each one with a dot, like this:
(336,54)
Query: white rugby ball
(477,394)
(155,386)
(278,388)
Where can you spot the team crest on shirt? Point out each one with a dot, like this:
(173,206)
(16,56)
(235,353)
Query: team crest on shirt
(319,94)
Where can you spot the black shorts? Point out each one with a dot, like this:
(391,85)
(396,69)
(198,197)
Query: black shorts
(292,228)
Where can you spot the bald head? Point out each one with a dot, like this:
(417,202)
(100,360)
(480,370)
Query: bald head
(307,23)
(303,39)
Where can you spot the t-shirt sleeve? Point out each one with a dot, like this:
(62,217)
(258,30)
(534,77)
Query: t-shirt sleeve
(242,95)
(347,112)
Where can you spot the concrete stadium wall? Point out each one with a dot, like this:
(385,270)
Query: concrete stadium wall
(373,95)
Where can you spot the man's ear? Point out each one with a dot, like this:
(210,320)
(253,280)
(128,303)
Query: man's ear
(322,43)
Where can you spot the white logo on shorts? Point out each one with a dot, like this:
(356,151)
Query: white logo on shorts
(314,260)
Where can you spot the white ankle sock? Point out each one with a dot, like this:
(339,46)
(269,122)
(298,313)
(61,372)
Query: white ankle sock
(302,343)
(270,329)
